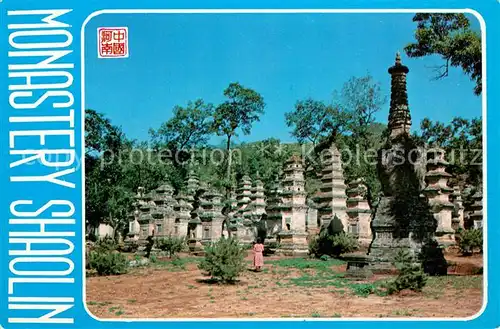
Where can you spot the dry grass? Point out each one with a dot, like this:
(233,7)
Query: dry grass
(286,288)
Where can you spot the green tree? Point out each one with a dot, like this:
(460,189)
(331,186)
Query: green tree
(314,121)
(349,121)
(461,139)
(411,276)
(363,98)
(106,200)
(189,127)
(243,107)
(451,37)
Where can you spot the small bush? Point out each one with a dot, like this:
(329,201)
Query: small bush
(106,244)
(325,258)
(130,246)
(332,245)
(314,249)
(224,260)
(343,243)
(171,245)
(432,258)
(411,276)
(470,240)
(107,262)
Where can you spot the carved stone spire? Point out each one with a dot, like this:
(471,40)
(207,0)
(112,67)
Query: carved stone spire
(399,113)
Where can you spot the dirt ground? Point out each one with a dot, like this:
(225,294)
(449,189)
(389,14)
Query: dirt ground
(286,288)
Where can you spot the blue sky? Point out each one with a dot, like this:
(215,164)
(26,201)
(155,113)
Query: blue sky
(175,58)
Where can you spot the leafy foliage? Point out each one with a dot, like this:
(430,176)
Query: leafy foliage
(107,262)
(314,121)
(462,141)
(411,275)
(432,258)
(349,121)
(332,241)
(189,127)
(171,245)
(352,112)
(470,240)
(224,260)
(106,200)
(413,212)
(243,107)
(451,37)
(106,244)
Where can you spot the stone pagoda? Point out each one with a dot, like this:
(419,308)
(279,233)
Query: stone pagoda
(475,211)
(134,226)
(183,210)
(163,211)
(331,198)
(192,183)
(274,218)
(242,220)
(293,237)
(195,231)
(211,216)
(386,242)
(457,219)
(399,113)
(258,204)
(230,225)
(244,193)
(438,195)
(359,212)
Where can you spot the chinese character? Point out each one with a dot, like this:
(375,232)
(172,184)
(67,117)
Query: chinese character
(106,36)
(119,35)
(113,42)
(107,48)
(118,48)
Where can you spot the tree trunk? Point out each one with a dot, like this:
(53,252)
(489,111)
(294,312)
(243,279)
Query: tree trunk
(229,161)
(229,158)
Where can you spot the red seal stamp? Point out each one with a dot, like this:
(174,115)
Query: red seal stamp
(112,42)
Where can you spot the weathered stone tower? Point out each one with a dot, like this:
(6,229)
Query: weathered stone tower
(457,220)
(183,210)
(331,198)
(359,212)
(386,243)
(475,216)
(211,216)
(163,212)
(274,218)
(399,113)
(438,194)
(293,236)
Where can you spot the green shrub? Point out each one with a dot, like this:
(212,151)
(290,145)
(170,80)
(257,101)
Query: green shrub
(432,258)
(171,245)
(106,244)
(343,243)
(107,262)
(314,249)
(470,240)
(332,244)
(325,258)
(224,260)
(411,276)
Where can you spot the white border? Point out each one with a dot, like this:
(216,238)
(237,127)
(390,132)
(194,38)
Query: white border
(293,11)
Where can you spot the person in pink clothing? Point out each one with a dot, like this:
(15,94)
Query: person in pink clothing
(258,257)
